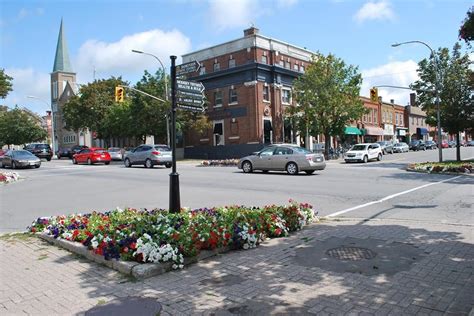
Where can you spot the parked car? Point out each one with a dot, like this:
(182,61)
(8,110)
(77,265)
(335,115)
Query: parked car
(363,152)
(416,145)
(40,150)
(20,159)
(76,149)
(387,147)
(283,157)
(444,144)
(115,153)
(451,144)
(429,144)
(92,155)
(64,152)
(400,147)
(149,156)
(470,143)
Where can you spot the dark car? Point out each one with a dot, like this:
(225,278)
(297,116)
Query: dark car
(20,159)
(416,145)
(429,144)
(63,152)
(470,143)
(387,147)
(40,150)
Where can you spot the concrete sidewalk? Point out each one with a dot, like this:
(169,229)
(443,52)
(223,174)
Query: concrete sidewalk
(340,267)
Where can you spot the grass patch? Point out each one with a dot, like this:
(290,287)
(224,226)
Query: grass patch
(17,236)
(101,302)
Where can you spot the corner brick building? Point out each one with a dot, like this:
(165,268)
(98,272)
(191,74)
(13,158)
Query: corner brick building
(248,85)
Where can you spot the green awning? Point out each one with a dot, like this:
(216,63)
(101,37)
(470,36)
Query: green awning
(351,130)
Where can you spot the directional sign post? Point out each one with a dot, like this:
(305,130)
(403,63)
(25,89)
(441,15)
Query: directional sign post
(190,95)
(187,68)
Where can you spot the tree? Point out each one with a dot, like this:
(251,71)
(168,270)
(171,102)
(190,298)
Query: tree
(455,90)
(19,127)
(466,32)
(327,98)
(148,114)
(91,107)
(5,84)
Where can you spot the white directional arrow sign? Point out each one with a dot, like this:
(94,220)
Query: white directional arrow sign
(190,95)
(187,68)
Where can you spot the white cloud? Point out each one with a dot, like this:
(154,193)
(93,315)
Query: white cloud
(397,73)
(381,10)
(226,14)
(286,3)
(26,82)
(117,58)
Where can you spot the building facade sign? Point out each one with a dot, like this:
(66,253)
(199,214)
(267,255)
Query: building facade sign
(388,129)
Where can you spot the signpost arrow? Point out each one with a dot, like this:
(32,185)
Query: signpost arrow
(187,68)
(190,86)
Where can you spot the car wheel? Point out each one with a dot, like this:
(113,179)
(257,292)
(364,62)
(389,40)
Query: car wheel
(48,159)
(148,163)
(13,165)
(309,172)
(265,171)
(379,157)
(247,166)
(89,161)
(292,168)
(127,163)
(74,161)
(168,165)
(107,163)
(37,166)
(366,159)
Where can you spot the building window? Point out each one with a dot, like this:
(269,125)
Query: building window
(217,66)
(231,63)
(281,64)
(401,119)
(264,60)
(370,116)
(55,90)
(232,96)
(217,99)
(376,114)
(286,96)
(287,65)
(302,68)
(295,67)
(218,133)
(412,121)
(266,93)
(396,118)
(202,70)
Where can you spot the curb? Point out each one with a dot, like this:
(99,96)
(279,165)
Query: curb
(447,173)
(135,269)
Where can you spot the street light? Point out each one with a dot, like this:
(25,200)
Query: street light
(440,148)
(53,142)
(166,89)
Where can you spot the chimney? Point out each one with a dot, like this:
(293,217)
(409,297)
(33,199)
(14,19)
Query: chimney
(392,101)
(413,99)
(251,31)
(48,113)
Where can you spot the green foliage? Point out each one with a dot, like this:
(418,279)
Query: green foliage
(327,97)
(466,32)
(20,127)
(455,89)
(5,84)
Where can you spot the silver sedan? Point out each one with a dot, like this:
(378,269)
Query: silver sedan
(283,157)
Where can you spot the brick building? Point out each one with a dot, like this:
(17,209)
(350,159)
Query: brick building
(248,85)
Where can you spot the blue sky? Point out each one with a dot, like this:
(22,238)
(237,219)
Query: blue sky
(102,33)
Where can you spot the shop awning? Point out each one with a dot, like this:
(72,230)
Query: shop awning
(351,130)
(421,131)
(373,131)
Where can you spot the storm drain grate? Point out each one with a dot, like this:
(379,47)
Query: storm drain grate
(351,253)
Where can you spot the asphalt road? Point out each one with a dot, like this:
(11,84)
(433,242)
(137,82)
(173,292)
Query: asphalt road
(373,190)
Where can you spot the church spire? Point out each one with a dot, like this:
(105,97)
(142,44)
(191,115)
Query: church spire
(61,61)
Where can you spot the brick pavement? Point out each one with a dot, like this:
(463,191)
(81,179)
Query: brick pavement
(39,279)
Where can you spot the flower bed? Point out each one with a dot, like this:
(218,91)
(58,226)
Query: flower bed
(160,236)
(7,177)
(443,167)
(219,163)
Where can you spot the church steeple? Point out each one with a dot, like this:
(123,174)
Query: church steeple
(61,60)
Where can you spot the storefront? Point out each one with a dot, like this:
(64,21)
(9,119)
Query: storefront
(372,134)
(422,133)
(388,132)
(351,136)
(402,134)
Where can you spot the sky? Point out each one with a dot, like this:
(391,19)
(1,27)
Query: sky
(100,35)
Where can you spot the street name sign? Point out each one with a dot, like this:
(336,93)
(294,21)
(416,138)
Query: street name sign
(187,68)
(190,95)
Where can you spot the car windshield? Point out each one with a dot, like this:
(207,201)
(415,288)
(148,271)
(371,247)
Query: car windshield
(162,148)
(359,147)
(22,153)
(114,149)
(42,146)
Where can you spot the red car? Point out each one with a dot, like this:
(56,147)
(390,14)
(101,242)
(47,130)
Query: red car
(92,155)
(444,144)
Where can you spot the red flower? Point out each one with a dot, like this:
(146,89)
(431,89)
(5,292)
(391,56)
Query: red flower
(74,234)
(33,229)
(133,245)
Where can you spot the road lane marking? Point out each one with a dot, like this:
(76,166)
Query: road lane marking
(388,197)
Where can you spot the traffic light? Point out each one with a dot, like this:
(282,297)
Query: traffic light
(119,94)
(374,95)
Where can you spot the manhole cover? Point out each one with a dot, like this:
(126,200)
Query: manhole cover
(351,253)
